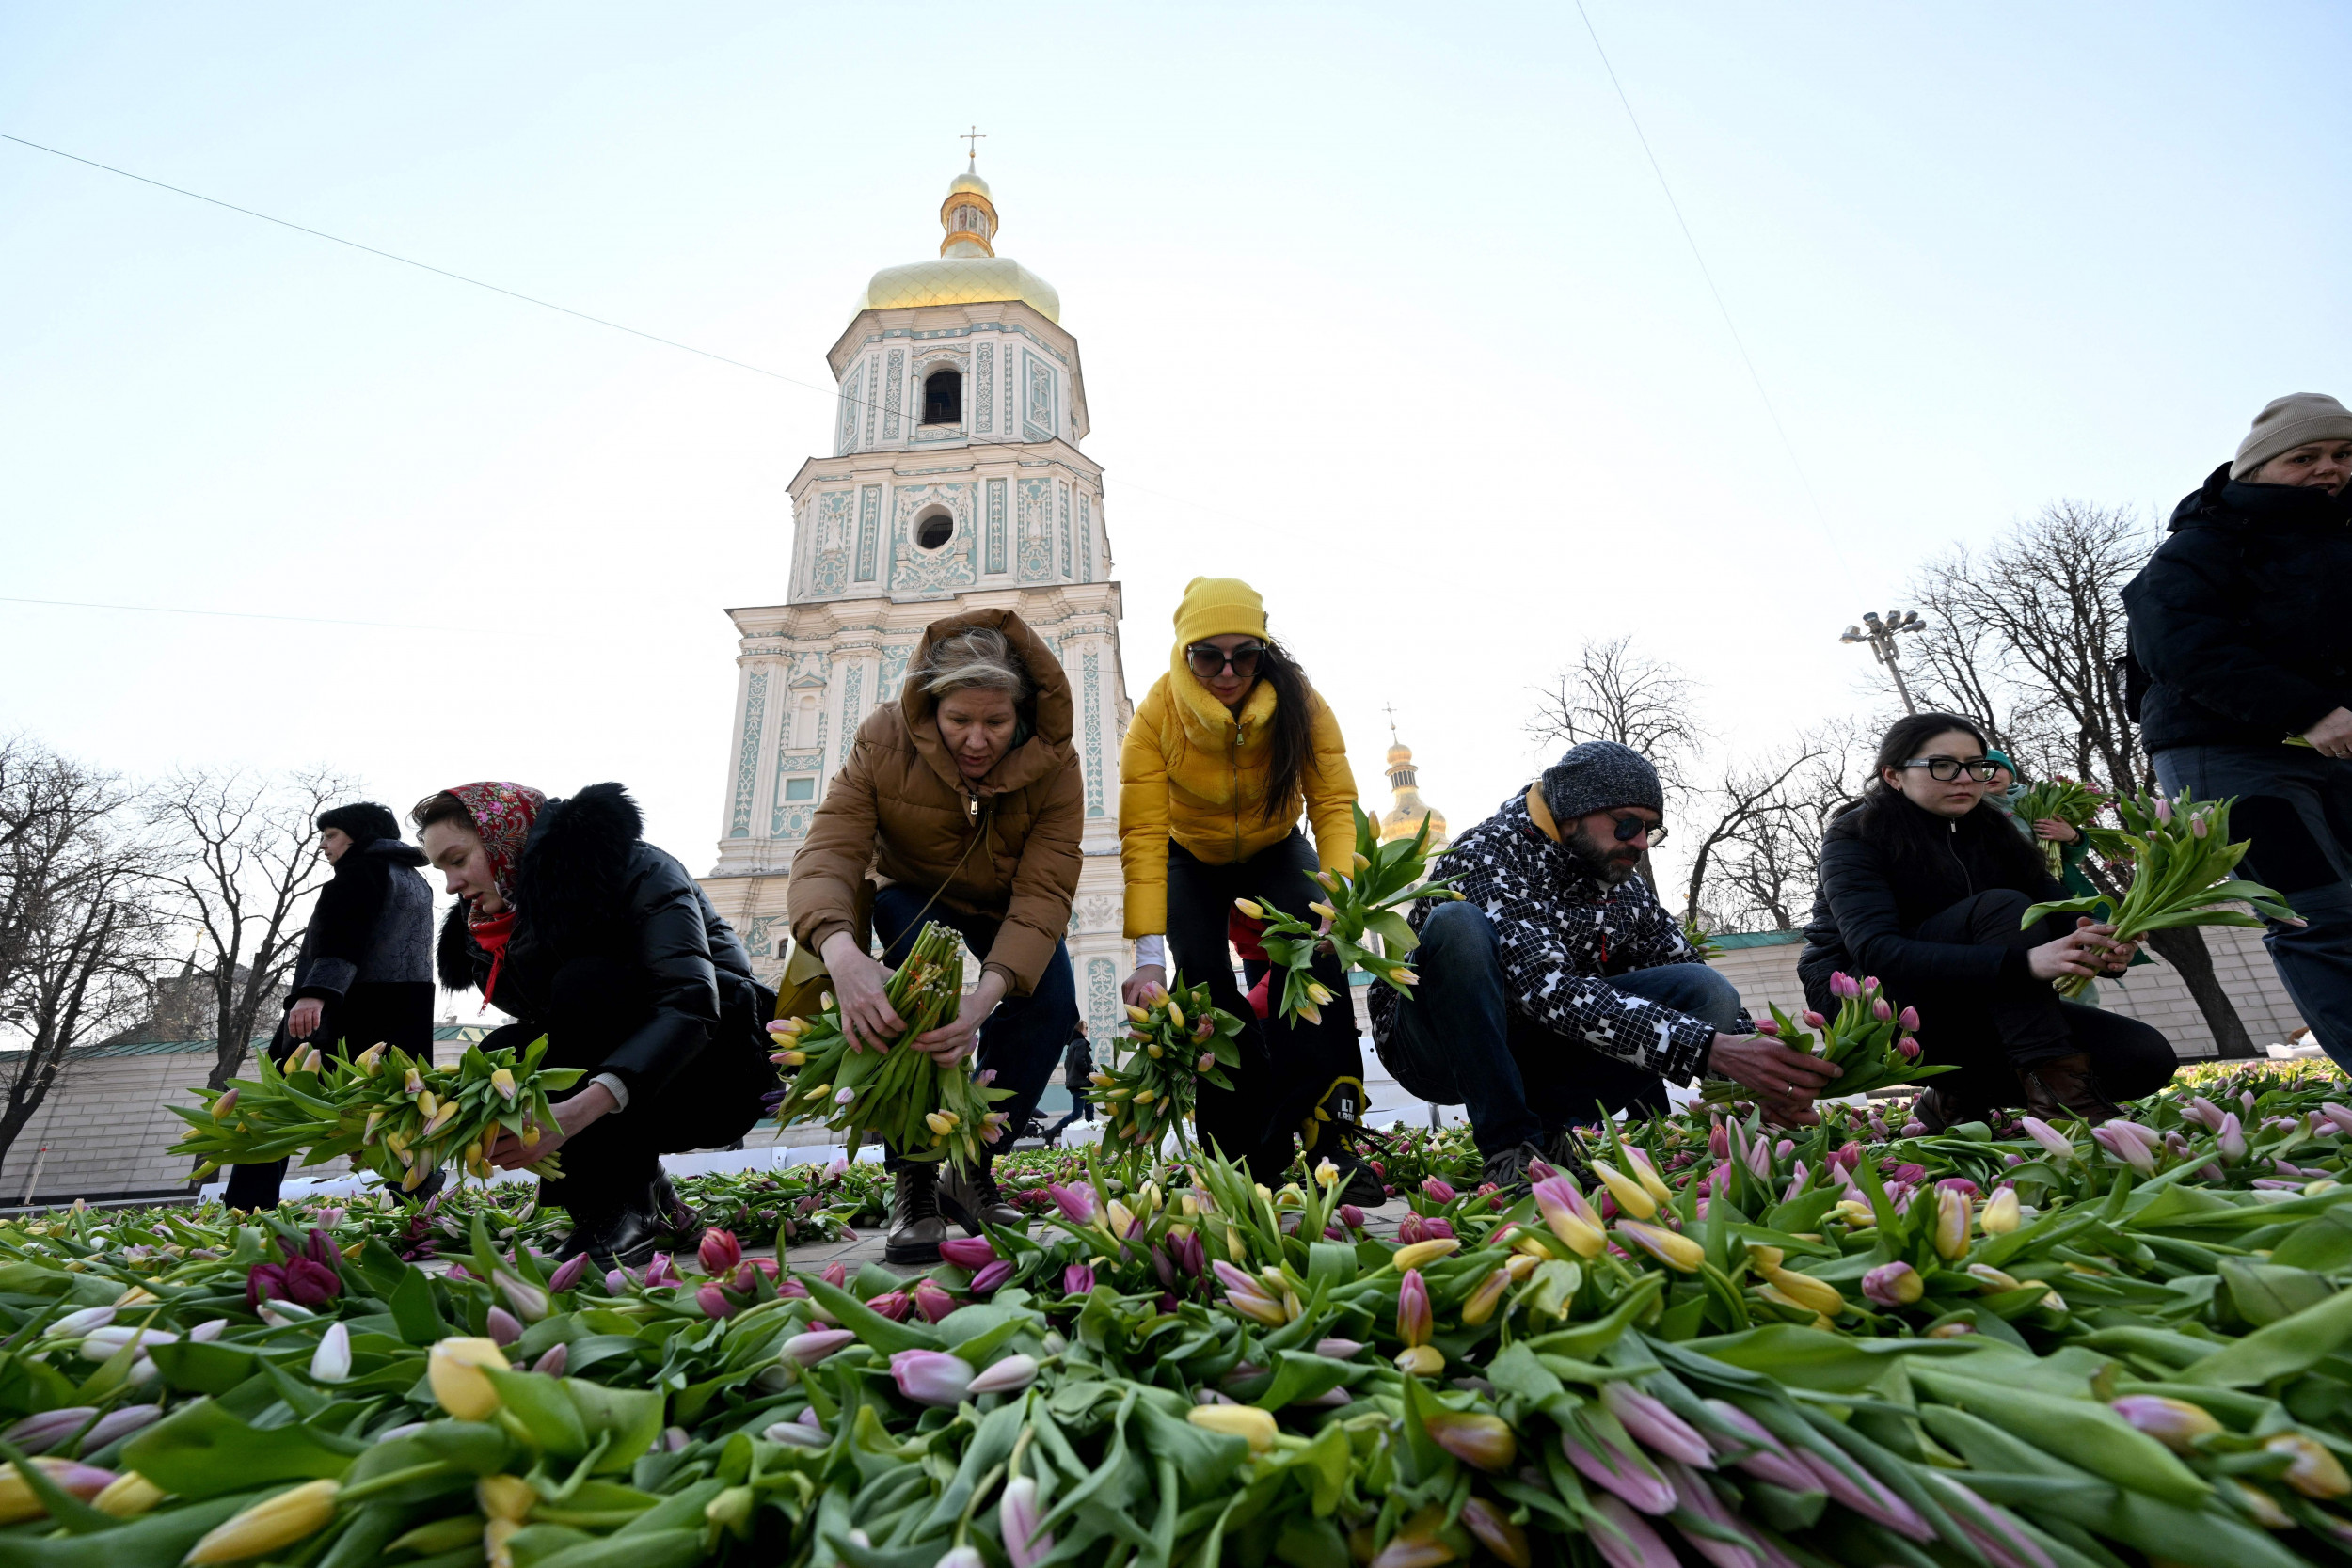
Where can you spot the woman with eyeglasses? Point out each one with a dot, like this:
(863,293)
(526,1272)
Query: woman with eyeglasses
(1224,751)
(1925,885)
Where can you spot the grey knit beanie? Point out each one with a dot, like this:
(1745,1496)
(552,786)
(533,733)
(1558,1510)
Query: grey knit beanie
(2286,424)
(1601,775)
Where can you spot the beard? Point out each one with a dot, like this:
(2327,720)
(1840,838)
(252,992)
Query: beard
(1608,864)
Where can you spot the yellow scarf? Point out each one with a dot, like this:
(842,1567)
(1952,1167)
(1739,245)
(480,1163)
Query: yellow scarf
(1542,812)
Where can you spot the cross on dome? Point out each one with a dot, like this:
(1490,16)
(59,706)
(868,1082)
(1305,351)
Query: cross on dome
(971,141)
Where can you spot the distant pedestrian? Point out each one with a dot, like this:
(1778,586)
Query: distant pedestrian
(1077,1071)
(2238,624)
(364,974)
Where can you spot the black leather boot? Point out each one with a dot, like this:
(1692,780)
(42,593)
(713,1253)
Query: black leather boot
(972,1197)
(617,1227)
(2065,1089)
(915,1227)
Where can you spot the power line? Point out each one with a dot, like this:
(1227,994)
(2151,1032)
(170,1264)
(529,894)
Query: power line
(229,614)
(1691,240)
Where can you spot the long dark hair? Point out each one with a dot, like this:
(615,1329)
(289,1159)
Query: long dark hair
(1908,835)
(1294,726)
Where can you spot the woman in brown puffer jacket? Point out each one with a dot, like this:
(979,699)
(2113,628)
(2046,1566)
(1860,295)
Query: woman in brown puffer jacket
(964,803)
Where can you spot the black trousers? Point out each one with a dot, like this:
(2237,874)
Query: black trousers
(396,1012)
(1286,1068)
(708,1103)
(1989,1034)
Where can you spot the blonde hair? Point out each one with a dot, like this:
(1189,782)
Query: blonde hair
(977,656)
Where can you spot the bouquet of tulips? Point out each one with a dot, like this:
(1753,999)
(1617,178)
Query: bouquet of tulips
(2182,858)
(2076,804)
(1869,1039)
(1151,1086)
(1366,903)
(395,1115)
(903,1096)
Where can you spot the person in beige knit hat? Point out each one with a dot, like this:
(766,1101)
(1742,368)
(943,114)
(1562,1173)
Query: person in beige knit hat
(2304,438)
(2239,626)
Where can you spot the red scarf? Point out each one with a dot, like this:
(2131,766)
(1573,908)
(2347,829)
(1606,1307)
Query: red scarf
(491,933)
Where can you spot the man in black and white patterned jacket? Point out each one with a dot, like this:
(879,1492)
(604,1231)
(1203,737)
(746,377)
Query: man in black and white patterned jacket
(1557,980)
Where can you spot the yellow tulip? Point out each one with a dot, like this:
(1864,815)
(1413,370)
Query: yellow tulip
(1246,1422)
(1138,1015)
(1647,1176)
(1951,1224)
(426,1104)
(505,1497)
(497,1537)
(1413,1257)
(130,1495)
(1483,1300)
(454,1370)
(1817,1295)
(2000,1214)
(1175,1014)
(1631,1197)
(1420,1360)
(1326,910)
(1669,1247)
(1250,908)
(504,1081)
(1361,864)
(269,1526)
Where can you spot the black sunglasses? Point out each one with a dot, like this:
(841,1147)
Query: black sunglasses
(1631,828)
(1208,660)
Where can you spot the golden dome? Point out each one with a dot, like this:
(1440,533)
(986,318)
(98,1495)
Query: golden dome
(960,280)
(1405,819)
(968,271)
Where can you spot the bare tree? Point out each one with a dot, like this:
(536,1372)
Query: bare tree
(2028,636)
(1751,794)
(244,862)
(1767,870)
(1613,693)
(77,920)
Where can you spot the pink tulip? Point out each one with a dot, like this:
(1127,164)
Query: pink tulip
(1908,1019)
(1849,1155)
(932,1302)
(1864,1493)
(1650,1423)
(1814,1019)
(1910,1172)
(2339,1115)
(714,1303)
(2231,1138)
(1761,1455)
(1351,1216)
(720,1252)
(1893,1285)
(1841,984)
(1017,1515)
(1881,1011)
(552,1363)
(1413,1316)
(1411,1229)
(1718,1138)
(1767,1026)
(1077,1280)
(808,1349)
(1339,1350)
(1076,1203)
(2054,1143)
(1908,1048)
(615,1280)
(992,1276)
(502,1325)
(967,1252)
(1009,1375)
(893,1304)
(1697,1497)
(931,1376)
(2126,1147)
(835,1275)
(1870,984)
(661,1271)
(2164,809)
(1628,1476)
(1437,1191)
(1624,1538)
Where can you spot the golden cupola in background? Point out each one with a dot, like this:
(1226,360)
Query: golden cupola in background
(968,269)
(1403,820)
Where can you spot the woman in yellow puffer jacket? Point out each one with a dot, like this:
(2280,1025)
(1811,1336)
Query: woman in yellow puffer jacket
(1223,752)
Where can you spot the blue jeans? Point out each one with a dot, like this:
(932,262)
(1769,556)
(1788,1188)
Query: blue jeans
(1022,1039)
(1457,1041)
(2295,808)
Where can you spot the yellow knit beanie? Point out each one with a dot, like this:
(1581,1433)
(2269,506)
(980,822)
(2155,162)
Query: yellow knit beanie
(1213,606)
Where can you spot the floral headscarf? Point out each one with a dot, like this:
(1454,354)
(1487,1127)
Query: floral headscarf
(502,815)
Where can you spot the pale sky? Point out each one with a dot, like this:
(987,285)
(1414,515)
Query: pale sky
(1381,307)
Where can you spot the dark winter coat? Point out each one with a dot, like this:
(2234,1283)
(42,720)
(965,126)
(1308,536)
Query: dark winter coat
(589,887)
(368,952)
(1870,904)
(1562,934)
(2239,620)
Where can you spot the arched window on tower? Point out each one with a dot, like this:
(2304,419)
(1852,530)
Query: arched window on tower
(942,397)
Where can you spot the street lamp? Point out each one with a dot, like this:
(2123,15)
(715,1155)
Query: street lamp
(1881,636)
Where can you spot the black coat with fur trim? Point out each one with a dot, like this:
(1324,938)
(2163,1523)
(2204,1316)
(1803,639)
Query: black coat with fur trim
(589,886)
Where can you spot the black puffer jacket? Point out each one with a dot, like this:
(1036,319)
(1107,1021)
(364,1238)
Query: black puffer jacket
(2239,620)
(589,886)
(1866,911)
